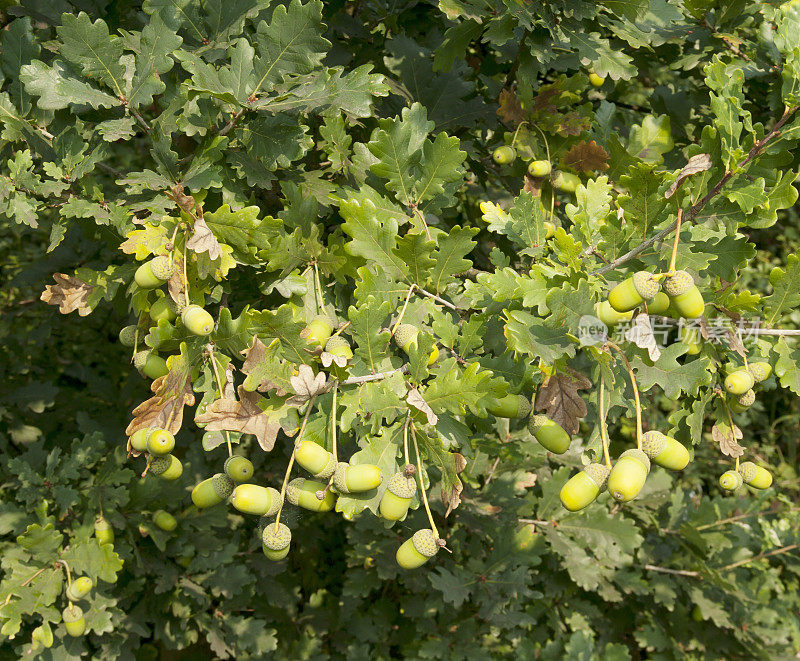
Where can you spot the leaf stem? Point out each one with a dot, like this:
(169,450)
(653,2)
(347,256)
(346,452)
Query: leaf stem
(421,485)
(405,438)
(403,310)
(603,429)
(635,393)
(222,395)
(321,301)
(674,257)
(185,278)
(291,460)
(333,422)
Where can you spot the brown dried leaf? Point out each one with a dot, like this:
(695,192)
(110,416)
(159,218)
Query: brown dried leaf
(510,110)
(175,283)
(525,481)
(246,415)
(263,366)
(533,185)
(203,240)
(543,103)
(727,438)
(306,385)
(328,358)
(559,397)
(166,406)
(586,156)
(184,201)
(641,334)
(69,294)
(416,400)
(572,124)
(451,495)
(735,342)
(697,163)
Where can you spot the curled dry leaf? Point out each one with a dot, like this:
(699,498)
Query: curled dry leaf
(697,163)
(265,369)
(641,334)
(510,110)
(69,294)
(735,342)
(184,201)
(559,398)
(203,240)
(165,408)
(328,358)
(586,156)
(251,414)
(727,437)
(416,400)
(175,283)
(306,385)
(451,489)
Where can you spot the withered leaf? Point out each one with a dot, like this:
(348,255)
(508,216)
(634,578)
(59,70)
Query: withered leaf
(697,163)
(727,437)
(586,156)
(306,385)
(572,124)
(543,103)
(203,240)
(184,201)
(559,398)
(416,400)
(165,408)
(510,110)
(328,358)
(451,492)
(641,334)
(251,414)
(69,294)
(735,342)
(265,369)
(533,185)
(175,283)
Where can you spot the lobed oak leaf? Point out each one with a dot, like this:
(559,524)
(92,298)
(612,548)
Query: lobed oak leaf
(586,156)
(69,294)
(641,334)
(265,369)
(510,110)
(203,240)
(417,401)
(306,385)
(727,437)
(165,409)
(559,397)
(572,123)
(543,103)
(697,163)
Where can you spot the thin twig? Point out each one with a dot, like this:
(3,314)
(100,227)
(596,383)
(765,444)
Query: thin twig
(355,380)
(760,556)
(227,128)
(676,572)
(436,298)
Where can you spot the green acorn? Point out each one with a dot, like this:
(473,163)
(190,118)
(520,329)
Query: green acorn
(730,480)
(609,316)
(74,621)
(743,402)
(145,278)
(318,331)
(150,364)
(162,267)
(79,588)
(255,499)
(212,491)
(338,346)
(760,371)
(163,308)
(691,338)
(504,155)
(166,466)
(397,497)
(165,520)
(197,320)
(755,476)
(138,439)
(628,294)
(275,541)
(550,434)
(103,531)
(160,441)
(361,477)
(628,475)
(238,468)
(665,451)
(582,489)
(127,336)
(684,295)
(549,229)
(595,80)
(303,493)
(659,304)
(417,550)
(539,168)
(510,406)
(315,459)
(739,382)
(406,336)
(565,181)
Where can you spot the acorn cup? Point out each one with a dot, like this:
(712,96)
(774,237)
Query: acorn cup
(549,434)
(743,402)
(353,479)
(582,489)
(165,521)
(338,346)
(684,295)
(730,480)
(417,550)
(406,336)
(397,497)
(255,499)
(504,155)
(628,475)
(167,467)
(634,291)
(760,371)
(275,542)
(238,468)
(739,382)
(510,406)
(303,493)
(665,451)
(212,491)
(127,336)
(79,588)
(103,531)
(74,621)
(315,459)
(659,304)
(609,316)
(755,476)
(318,331)
(197,320)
